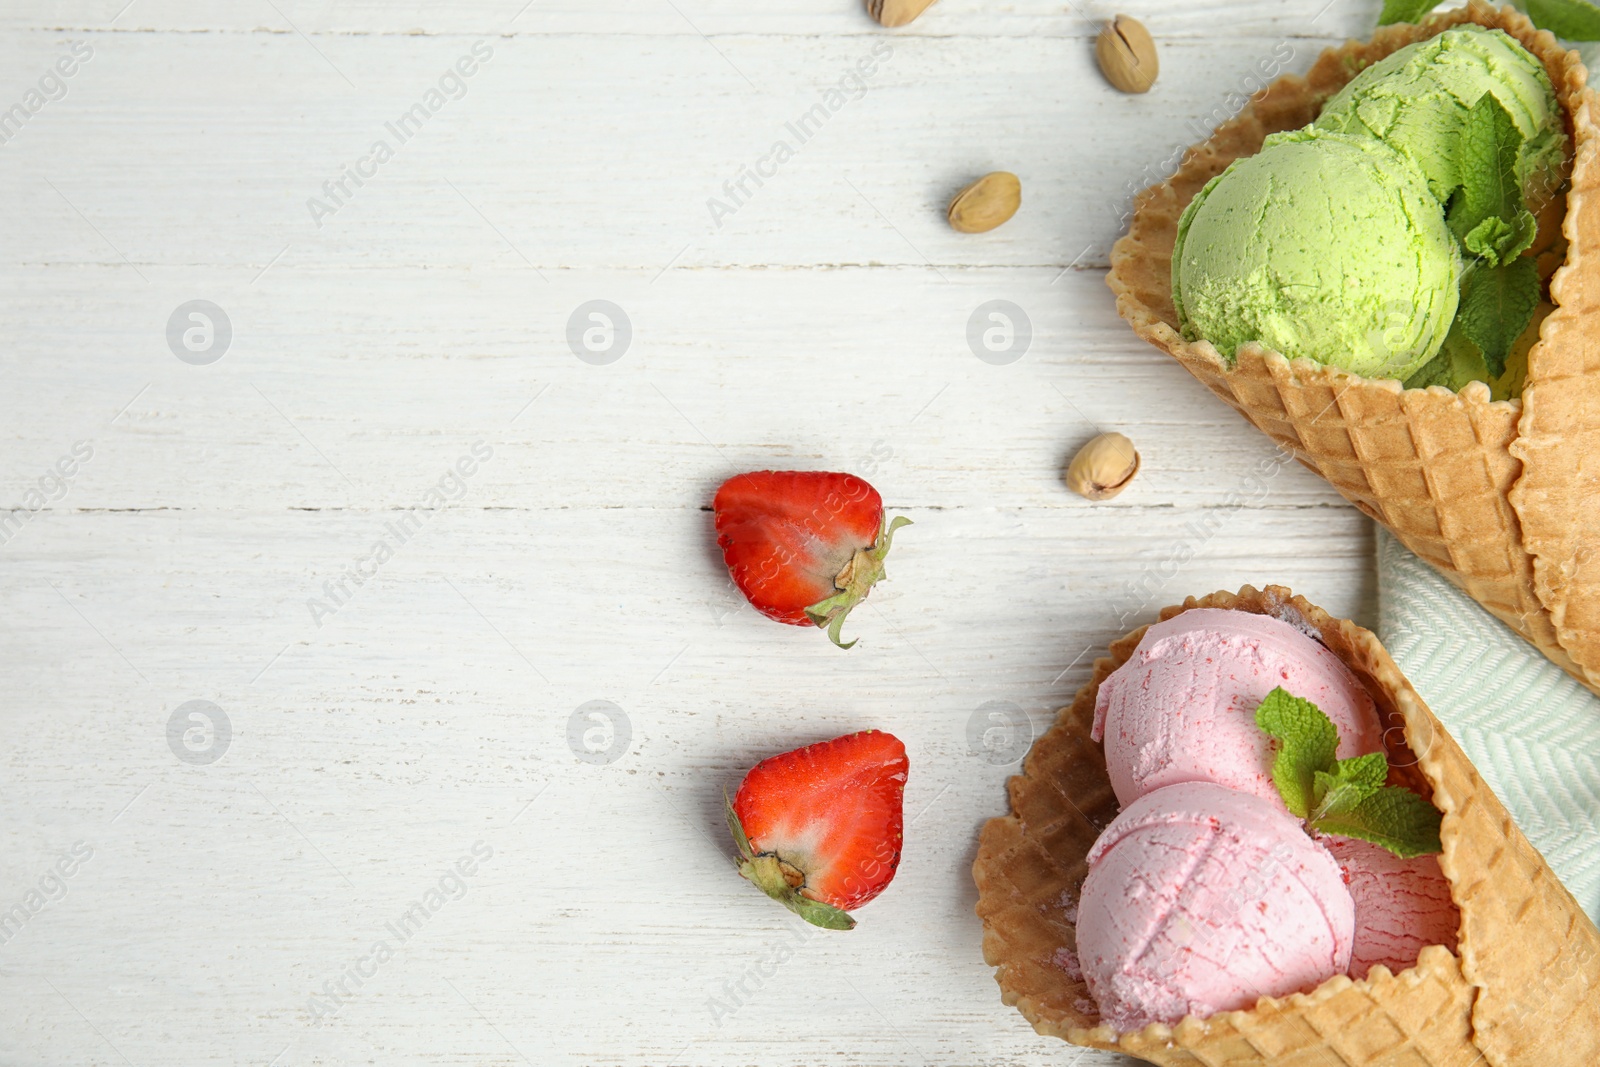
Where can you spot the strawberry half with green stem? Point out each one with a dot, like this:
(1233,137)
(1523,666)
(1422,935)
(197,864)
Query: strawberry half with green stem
(805,547)
(819,829)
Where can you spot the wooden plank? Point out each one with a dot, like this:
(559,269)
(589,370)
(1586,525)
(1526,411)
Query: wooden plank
(385,378)
(964,18)
(577,155)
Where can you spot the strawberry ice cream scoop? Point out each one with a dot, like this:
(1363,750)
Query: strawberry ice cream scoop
(1402,905)
(1201,899)
(1182,709)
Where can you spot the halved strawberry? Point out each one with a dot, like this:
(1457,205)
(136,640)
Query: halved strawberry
(803,546)
(819,829)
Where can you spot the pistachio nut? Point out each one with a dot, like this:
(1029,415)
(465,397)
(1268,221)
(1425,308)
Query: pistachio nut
(986,203)
(896,12)
(1103,467)
(1127,55)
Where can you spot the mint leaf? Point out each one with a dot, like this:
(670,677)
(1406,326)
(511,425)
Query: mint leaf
(1440,370)
(1488,214)
(1352,781)
(1457,363)
(1342,796)
(1393,817)
(1367,772)
(1405,10)
(1497,303)
(1576,20)
(1494,235)
(1308,741)
(1334,797)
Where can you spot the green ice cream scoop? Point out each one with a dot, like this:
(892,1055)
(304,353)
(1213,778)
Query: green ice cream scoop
(1417,100)
(1322,245)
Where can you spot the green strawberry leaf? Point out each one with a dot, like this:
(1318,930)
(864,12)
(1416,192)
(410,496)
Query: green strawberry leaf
(1405,11)
(1307,742)
(1575,20)
(866,571)
(1497,303)
(1352,781)
(737,828)
(1487,214)
(817,913)
(1393,817)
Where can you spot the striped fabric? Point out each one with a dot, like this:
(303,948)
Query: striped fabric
(1532,731)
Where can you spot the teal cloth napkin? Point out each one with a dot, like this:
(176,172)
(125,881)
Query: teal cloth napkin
(1532,731)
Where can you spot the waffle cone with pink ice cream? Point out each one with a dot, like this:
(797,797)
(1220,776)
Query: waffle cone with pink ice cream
(1206,893)
(1170,895)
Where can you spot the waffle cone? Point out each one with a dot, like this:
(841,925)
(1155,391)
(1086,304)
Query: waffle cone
(1520,989)
(1503,497)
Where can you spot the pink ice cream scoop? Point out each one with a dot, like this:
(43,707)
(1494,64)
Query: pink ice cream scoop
(1183,708)
(1201,899)
(1402,905)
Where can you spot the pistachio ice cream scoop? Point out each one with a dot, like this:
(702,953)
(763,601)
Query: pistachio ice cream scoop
(1417,99)
(1322,245)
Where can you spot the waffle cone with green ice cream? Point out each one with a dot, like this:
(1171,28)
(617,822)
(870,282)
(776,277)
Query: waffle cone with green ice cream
(1483,460)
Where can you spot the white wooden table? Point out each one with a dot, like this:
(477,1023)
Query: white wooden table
(226,874)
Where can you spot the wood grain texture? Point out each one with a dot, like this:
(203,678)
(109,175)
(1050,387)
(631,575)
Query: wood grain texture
(964,18)
(824,324)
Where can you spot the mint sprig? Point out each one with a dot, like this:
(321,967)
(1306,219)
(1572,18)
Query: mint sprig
(1405,10)
(1500,288)
(1342,796)
(1497,303)
(1488,214)
(1575,20)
